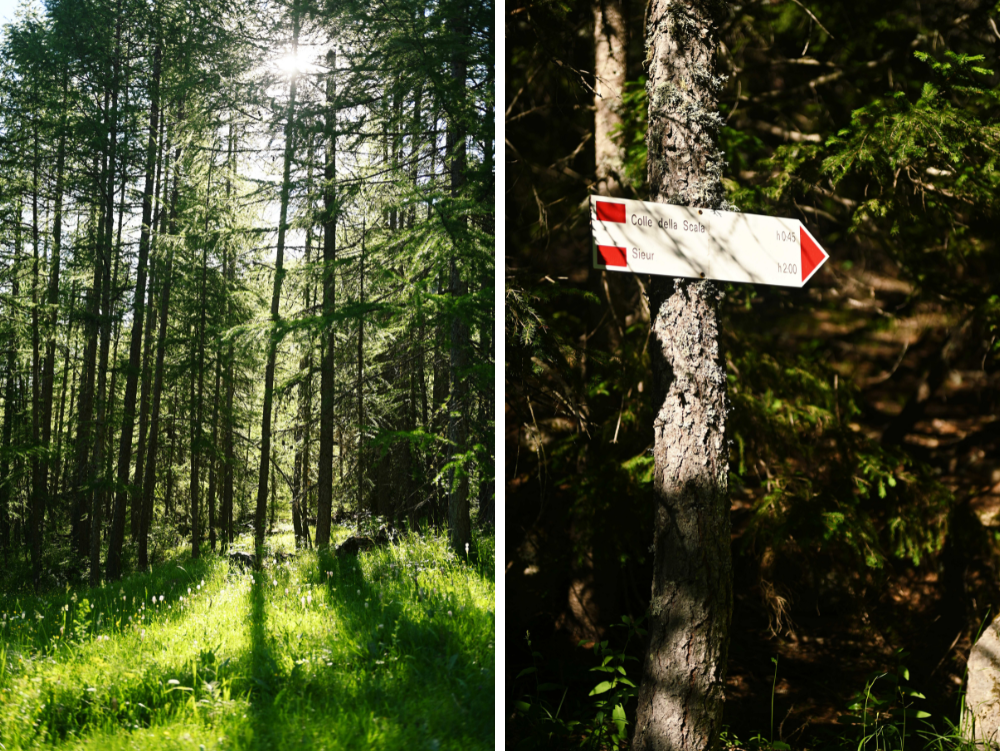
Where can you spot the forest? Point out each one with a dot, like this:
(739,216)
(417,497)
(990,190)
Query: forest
(246,315)
(859,485)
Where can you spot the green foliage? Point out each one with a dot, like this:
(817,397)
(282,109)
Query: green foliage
(822,482)
(612,695)
(400,640)
(600,721)
(881,711)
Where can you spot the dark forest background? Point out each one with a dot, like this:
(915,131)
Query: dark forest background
(865,481)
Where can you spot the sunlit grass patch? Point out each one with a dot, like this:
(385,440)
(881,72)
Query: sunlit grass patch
(395,646)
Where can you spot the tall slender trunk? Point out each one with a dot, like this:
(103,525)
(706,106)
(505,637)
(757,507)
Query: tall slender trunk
(161,340)
(85,404)
(159,215)
(56,478)
(9,400)
(279,275)
(96,472)
(361,376)
(300,482)
(48,368)
(324,478)
(123,492)
(458,479)
(37,466)
(213,454)
(229,274)
(196,438)
(681,694)
(116,331)
(610,44)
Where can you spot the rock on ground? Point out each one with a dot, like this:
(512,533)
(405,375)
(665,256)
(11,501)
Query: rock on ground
(981,722)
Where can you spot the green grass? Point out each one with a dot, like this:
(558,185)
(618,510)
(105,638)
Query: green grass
(393,649)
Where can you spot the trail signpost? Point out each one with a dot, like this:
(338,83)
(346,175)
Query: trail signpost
(727,246)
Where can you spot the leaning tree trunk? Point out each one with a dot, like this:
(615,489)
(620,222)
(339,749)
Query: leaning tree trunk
(681,696)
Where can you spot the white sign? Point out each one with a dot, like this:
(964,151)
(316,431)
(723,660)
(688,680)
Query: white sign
(657,238)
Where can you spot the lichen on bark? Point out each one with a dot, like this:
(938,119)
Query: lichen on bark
(682,690)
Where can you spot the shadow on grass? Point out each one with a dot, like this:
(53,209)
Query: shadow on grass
(390,671)
(422,666)
(91,611)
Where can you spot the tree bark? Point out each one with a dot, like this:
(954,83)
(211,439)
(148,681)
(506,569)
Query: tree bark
(123,491)
(279,275)
(324,479)
(681,695)
(164,273)
(610,45)
(229,274)
(213,462)
(38,490)
(48,368)
(163,151)
(361,377)
(458,424)
(8,402)
(107,248)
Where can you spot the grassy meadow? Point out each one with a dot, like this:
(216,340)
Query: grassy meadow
(390,649)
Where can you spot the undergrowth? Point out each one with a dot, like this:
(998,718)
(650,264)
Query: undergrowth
(393,648)
(884,715)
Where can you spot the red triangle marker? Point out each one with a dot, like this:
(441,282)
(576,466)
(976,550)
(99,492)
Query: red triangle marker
(813,256)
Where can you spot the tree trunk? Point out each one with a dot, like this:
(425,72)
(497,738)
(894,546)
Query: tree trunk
(681,695)
(279,275)
(106,248)
(56,478)
(8,402)
(85,404)
(37,465)
(610,44)
(361,377)
(213,462)
(196,441)
(164,273)
(123,491)
(229,274)
(458,425)
(163,151)
(48,368)
(324,480)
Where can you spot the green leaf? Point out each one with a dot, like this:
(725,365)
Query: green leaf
(601,687)
(525,672)
(618,715)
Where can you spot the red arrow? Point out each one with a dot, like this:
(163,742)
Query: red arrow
(813,256)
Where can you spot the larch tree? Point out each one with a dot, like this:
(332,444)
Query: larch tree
(682,690)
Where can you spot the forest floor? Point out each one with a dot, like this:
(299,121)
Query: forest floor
(393,648)
(926,617)
(913,620)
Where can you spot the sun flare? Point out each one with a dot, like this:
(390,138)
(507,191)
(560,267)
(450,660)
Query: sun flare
(294,64)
